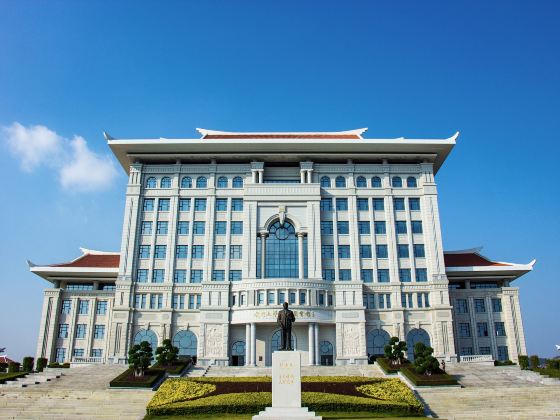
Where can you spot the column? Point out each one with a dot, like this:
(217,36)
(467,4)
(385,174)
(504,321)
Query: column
(260,176)
(302,176)
(300,254)
(311,341)
(247,345)
(263,236)
(309,172)
(253,344)
(317,347)
(254,176)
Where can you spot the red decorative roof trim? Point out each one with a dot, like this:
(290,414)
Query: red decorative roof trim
(281,136)
(469,260)
(93,261)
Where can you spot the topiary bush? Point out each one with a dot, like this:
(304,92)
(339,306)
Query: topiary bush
(28,364)
(553,363)
(13,367)
(424,362)
(523,362)
(3,367)
(41,364)
(167,353)
(394,351)
(534,359)
(139,357)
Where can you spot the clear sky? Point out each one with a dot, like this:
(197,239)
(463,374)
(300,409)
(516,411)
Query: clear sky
(70,69)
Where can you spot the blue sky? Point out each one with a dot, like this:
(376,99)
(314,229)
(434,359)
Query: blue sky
(148,69)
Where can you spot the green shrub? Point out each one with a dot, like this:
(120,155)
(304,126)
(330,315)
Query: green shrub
(176,367)
(11,376)
(41,364)
(391,390)
(437,378)
(503,363)
(28,364)
(140,357)
(523,362)
(534,359)
(554,373)
(13,367)
(394,351)
(553,363)
(167,353)
(424,362)
(59,365)
(175,390)
(128,379)
(3,367)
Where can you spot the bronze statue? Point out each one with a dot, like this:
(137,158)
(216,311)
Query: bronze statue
(285,319)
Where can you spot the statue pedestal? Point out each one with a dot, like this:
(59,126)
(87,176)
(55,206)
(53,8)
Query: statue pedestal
(286,389)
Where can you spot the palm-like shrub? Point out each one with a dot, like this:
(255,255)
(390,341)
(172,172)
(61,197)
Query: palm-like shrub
(139,357)
(394,351)
(424,362)
(167,353)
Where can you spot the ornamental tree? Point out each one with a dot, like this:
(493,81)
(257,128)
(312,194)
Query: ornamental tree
(394,351)
(424,362)
(167,353)
(139,357)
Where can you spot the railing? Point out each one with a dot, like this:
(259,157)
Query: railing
(476,358)
(88,360)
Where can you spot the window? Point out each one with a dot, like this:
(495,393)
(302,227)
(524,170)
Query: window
(466,351)
(260,298)
(237,182)
(363,228)
(200,204)
(178,301)
(151,182)
(222,182)
(325,182)
(365,251)
(479,306)
(340,182)
(198,228)
(201,182)
(321,299)
(342,204)
(302,298)
(237,228)
(184,204)
(503,353)
(148,204)
(482,329)
(186,182)
(221,204)
(404,275)
(328,274)
(398,203)
(220,228)
(146,228)
(396,182)
(83,307)
(236,204)
(181,251)
(156,301)
(402,251)
(416,226)
(165,182)
(140,301)
(235,252)
(464,330)
(292,298)
(99,331)
(384,301)
(219,252)
(108,287)
(81,331)
(198,251)
(361,182)
(421,274)
(327,227)
(411,182)
(158,275)
(327,251)
(281,298)
(366,276)
(60,355)
(218,275)
(376,182)
(101,307)
(344,251)
(379,204)
(271,298)
(406,300)
(345,275)
(235,275)
(183,227)
(163,204)
(363,204)
(162,228)
(461,306)
(78,352)
(160,252)
(500,329)
(400,227)
(326,204)
(79,286)
(142,275)
(196,276)
(180,276)
(342,228)
(414,203)
(419,251)
(192,304)
(383,275)
(380,228)
(62,330)
(476,285)
(496,305)
(66,306)
(381,251)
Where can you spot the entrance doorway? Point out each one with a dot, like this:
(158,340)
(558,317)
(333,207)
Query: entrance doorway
(238,353)
(326,353)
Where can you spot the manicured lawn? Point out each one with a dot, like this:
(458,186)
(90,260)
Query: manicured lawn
(9,376)
(436,379)
(553,373)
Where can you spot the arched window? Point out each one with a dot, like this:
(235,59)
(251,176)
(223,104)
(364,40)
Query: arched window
(151,182)
(361,182)
(222,182)
(276,341)
(415,335)
(396,182)
(186,182)
(147,335)
(411,182)
(237,182)
(325,182)
(281,251)
(375,182)
(376,342)
(238,353)
(340,182)
(165,182)
(326,353)
(186,342)
(201,182)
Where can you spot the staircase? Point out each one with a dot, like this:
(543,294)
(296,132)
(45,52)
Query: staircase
(31,379)
(241,371)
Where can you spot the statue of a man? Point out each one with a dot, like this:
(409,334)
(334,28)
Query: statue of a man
(285,319)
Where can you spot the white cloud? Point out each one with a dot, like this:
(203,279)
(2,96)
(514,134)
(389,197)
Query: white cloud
(78,167)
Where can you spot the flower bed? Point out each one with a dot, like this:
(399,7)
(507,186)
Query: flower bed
(128,380)
(435,379)
(388,368)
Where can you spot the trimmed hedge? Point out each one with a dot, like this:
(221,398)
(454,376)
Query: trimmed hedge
(128,380)
(523,362)
(391,390)
(13,367)
(385,365)
(176,367)
(503,363)
(553,373)
(59,365)
(436,379)
(28,364)
(534,359)
(11,376)
(3,367)
(553,363)
(175,390)
(41,364)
